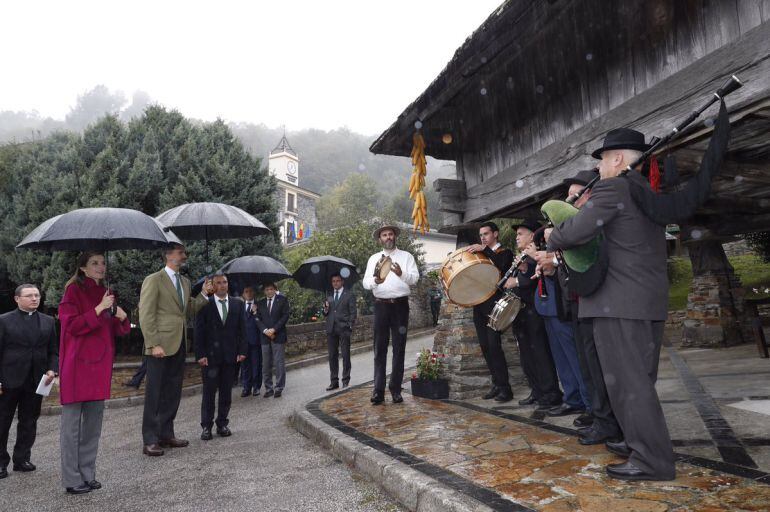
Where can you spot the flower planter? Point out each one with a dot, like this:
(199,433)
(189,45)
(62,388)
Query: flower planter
(434,389)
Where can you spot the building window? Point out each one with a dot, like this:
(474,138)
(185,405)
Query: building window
(291,202)
(291,234)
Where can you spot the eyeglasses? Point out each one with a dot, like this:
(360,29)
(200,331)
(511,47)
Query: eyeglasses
(32,296)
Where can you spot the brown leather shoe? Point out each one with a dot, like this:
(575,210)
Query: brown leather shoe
(153,450)
(173,443)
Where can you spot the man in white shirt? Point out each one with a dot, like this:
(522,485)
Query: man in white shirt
(391,311)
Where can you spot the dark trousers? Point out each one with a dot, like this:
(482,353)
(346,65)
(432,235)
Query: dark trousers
(28,404)
(591,369)
(629,351)
(435,308)
(162,395)
(251,368)
(339,343)
(491,346)
(217,379)
(535,354)
(138,377)
(391,321)
(561,338)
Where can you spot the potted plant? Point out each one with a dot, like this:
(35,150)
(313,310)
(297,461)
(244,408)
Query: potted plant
(427,381)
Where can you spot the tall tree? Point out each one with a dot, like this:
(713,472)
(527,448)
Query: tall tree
(354,199)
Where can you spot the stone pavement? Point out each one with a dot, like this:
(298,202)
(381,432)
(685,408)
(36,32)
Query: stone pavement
(266,465)
(479,455)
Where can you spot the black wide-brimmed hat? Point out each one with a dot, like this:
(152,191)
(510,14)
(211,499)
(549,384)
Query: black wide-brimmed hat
(582,178)
(530,223)
(622,138)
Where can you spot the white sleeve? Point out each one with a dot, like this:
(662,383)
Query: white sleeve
(368,281)
(410,274)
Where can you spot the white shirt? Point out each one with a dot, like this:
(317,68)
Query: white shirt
(394,286)
(172,274)
(338,293)
(220,307)
(496,246)
(248,304)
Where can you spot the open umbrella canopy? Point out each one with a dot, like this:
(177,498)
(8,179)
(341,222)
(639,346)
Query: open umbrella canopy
(211,221)
(98,229)
(249,271)
(316,273)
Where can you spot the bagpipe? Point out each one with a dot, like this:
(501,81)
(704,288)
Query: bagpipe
(587,264)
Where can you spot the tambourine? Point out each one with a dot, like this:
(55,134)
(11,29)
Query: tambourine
(382,269)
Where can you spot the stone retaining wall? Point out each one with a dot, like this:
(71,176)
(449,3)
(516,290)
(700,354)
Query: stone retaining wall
(311,336)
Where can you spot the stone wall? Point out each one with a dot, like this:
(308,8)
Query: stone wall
(466,369)
(419,305)
(311,336)
(737,248)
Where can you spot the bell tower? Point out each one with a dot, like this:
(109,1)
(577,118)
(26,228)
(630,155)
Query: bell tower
(283,162)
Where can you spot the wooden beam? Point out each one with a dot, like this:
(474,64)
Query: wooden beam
(451,195)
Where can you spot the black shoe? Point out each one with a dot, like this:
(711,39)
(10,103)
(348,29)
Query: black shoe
(504,396)
(491,393)
(130,384)
(345,383)
(268,393)
(397,398)
(80,489)
(377,398)
(278,393)
(627,471)
(94,484)
(3,472)
(529,400)
(584,420)
(256,392)
(619,448)
(585,431)
(224,432)
(592,437)
(245,393)
(563,410)
(206,435)
(546,407)
(332,386)
(24,467)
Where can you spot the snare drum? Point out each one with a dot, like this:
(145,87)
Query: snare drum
(382,269)
(504,312)
(468,278)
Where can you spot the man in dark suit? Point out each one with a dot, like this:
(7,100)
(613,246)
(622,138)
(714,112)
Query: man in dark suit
(220,343)
(340,311)
(251,368)
(489,339)
(29,349)
(629,308)
(272,315)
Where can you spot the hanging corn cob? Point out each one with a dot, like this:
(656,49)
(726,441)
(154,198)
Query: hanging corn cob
(417,183)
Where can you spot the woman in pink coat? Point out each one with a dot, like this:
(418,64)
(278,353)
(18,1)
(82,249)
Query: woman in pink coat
(86,352)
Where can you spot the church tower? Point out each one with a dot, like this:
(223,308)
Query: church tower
(284,163)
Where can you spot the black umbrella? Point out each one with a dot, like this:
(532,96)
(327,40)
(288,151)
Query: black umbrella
(211,221)
(316,273)
(98,229)
(252,271)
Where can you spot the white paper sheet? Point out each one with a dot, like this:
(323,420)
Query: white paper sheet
(43,388)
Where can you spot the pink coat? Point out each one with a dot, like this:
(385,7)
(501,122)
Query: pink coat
(87,344)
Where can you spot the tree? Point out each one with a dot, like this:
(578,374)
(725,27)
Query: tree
(93,105)
(153,163)
(400,207)
(353,242)
(354,199)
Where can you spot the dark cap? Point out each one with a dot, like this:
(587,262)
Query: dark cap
(531,224)
(622,138)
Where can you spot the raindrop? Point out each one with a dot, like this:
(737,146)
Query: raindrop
(509,83)
(483,60)
(709,122)
(213,372)
(696,234)
(606,309)
(620,206)
(361,167)
(483,91)
(739,178)
(344,272)
(315,268)
(589,56)
(418,124)
(599,222)
(609,379)
(539,89)
(589,204)
(519,183)
(402,330)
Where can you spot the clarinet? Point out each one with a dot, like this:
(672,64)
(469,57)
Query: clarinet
(514,270)
(732,84)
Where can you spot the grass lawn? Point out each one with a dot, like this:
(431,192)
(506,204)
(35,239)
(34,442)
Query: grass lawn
(753,272)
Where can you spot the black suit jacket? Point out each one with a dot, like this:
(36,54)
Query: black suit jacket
(22,349)
(340,317)
(221,343)
(275,319)
(502,258)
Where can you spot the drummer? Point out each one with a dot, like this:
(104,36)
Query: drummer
(489,339)
(391,310)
